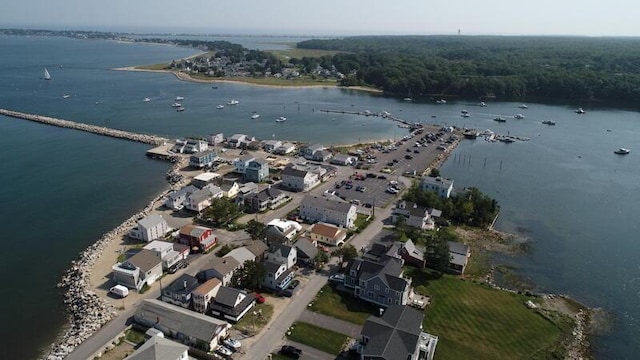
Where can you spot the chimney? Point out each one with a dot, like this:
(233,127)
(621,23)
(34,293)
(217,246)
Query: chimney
(184,283)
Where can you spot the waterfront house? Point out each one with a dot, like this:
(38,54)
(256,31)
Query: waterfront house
(281,231)
(204,179)
(378,282)
(159,348)
(240,164)
(268,199)
(168,252)
(321,209)
(285,149)
(296,179)
(201,199)
(151,227)
(220,268)
(178,147)
(306,250)
(230,188)
(189,327)
(328,234)
(202,159)
(343,160)
(143,268)
(236,140)
(442,186)
(257,170)
(202,295)
(459,254)
(216,139)
(197,237)
(414,215)
(252,145)
(177,199)
(408,252)
(242,255)
(231,304)
(307,151)
(179,291)
(271,145)
(397,334)
(321,155)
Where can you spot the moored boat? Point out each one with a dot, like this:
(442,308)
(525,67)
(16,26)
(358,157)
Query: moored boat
(180,109)
(549,122)
(220,107)
(46,75)
(523,106)
(146,100)
(499,119)
(179,98)
(255,116)
(176,105)
(233,102)
(519,116)
(579,111)
(622,151)
(281,119)
(66,96)
(441,101)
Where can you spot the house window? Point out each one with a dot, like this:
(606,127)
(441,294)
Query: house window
(389,300)
(370,294)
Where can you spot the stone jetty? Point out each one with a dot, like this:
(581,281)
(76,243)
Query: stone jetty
(99,130)
(87,311)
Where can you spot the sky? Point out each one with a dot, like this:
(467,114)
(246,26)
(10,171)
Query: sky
(330,17)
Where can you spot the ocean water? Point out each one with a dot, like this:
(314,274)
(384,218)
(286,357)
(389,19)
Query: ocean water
(564,189)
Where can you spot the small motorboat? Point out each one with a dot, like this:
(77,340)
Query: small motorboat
(499,119)
(579,111)
(180,109)
(220,107)
(549,122)
(622,151)
(255,116)
(179,98)
(281,119)
(146,99)
(176,105)
(66,96)
(519,116)
(523,106)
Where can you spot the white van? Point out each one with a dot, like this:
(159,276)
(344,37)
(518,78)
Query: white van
(119,290)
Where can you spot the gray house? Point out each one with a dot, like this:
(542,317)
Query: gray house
(397,334)
(179,291)
(231,304)
(257,170)
(378,282)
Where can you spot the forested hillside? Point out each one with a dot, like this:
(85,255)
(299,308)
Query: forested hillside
(579,68)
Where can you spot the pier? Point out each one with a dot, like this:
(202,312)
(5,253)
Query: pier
(385,115)
(98,130)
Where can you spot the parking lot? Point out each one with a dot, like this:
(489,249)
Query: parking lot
(369,190)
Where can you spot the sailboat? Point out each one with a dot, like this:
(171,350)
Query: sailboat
(47,76)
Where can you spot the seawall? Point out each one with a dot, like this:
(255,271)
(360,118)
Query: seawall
(99,130)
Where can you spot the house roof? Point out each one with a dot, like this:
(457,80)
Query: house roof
(281,250)
(395,335)
(187,322)
(246,158)
(257,247)
(223,265)
(438,181)
(272,266)
(225,301)
(200,195)
(292,170)
(388,270)
(326,203)
(151,220)
(228,296)
(183,285)
(193,230)
(306,247)
(228,185)
(241,254)
(145,260)
(159,348)
(342,158)
(207,286)
(458,248)
(206,176)
(261,162)
(327,230)
(158,245)
(185,190)
(267,193)
(203,154)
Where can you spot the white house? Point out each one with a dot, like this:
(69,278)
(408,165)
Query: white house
(321,209)
(286,148)
(344,160)
(230,188)
(204,179)
(150,228)
(242,255)
(442,186)
(201,199)
(236,140)
(167,252)
(215,139)
(157,345)
(195,146)
(282,254)
(328,234)
(203,294)
(143,268)
(220,268)
(296,179)
(282,230)
(414,215)
(271,145)
(242,163)
(176,199)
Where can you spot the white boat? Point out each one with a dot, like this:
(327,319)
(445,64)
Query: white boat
(46,75)
(176,105)
(281,119)
(66,96)
(465,115)
(255,116)
(482,104)
(180,109)
(579,111)
(179,98)
(519,116)
(146,99)
(464,111)
(622,151)
(220,107)
(407,99)
(441,101)
(233,102)
(523,106)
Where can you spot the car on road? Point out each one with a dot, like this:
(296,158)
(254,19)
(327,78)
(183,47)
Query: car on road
(371,175)
(408,157)
(222,350)
(290,351)
(391,190)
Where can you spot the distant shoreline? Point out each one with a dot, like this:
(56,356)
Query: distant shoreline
(186,77)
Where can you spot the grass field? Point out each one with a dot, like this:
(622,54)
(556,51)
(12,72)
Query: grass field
(300,53)
(251,324)
(475,321)
(319,338)
(342,306)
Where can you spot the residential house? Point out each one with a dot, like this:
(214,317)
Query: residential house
(216,139)
(245,190)
(220,268)
(252,145)
(321,155)
(204,179)
(178,147)
(459,254)
(306,251)
(277,276)
(257,248)
(168,252)
(143,268)
(343,160)
(179,291)
(408,252)
(231,304)
(308,150)
(197,237)
(378,282)
(268,199)
(151,227)
(230,188)
(257,170)
(271,145)
(283,254)
(328,234)
(242,255)
(202,198)
(177,199)
(159,348)
(202,295)
(282,231)
(202,159)
(195,146)
(189,327)
(397,334)
(285,149)
(442,186)
(296,179)
(415,216)
(242,163)
(321,209)
(236,140)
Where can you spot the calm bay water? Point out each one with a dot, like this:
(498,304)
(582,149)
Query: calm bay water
(564,189)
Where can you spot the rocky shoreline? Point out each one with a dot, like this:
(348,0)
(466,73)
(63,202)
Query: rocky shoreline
(87,311)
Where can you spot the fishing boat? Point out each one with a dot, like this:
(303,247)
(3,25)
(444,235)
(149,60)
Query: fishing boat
(407,99)
(220,107)
(549,122)
(46,75)
(179,98)
(233,102)
(499,119)
(622,151)
(579,111)
(146,99)
(519,116)
(464,111)
(255,116)
(281,119)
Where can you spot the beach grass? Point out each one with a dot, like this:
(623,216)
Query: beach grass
(319,338)
(472,318)
(342,306)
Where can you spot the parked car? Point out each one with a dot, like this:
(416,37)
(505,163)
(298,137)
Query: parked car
(408,157)
(391,190)
(222,350)
(177,266)
(361,188)
(294,284)
(232,344)
(120,290)
(290,351)
(259,298)
(382,177)
(416,152)
(336,278)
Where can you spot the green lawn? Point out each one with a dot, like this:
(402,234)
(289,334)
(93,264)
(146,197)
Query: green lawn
(342,306)
(319,338)
(474,320)
(251,324)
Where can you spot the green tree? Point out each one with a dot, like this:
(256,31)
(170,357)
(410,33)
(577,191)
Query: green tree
(346,253)
(437,253)
(250,276)
(221,211)
(320,259)
(256,229)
